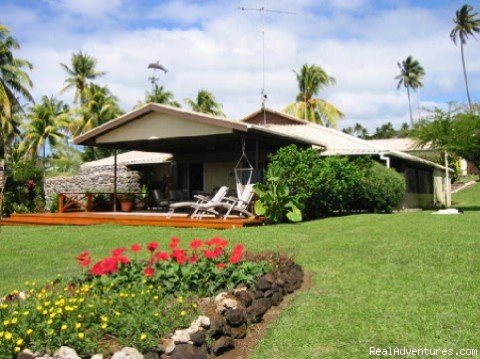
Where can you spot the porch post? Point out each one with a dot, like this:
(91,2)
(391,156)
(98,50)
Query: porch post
(115,180)
(447,180)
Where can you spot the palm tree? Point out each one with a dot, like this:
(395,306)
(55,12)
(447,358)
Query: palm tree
(411,74)
(14,83)
(467,24)
(311,79)
(83,69)
(161,95)
(99,106)
(205,103)
(46,121)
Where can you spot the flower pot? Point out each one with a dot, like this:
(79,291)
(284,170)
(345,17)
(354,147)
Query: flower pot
(126,206)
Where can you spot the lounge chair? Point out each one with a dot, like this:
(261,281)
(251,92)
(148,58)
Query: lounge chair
(229,205)
(193,206)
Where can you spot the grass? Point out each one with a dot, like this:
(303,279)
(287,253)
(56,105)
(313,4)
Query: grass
(468,199)
(400,280)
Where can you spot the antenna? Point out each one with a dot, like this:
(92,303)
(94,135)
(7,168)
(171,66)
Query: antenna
(264,10)
(156,66)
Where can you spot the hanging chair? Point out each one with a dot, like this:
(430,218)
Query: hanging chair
(243,174)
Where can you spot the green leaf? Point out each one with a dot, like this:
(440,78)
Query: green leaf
(260,209)
(295,215)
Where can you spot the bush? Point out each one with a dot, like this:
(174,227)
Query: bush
(382,189)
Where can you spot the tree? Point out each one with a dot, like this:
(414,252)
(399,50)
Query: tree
(46,121)
(451,131)
(14,83)
(467,23)
(358,130)
(384,131)
(205,103)
(83,69)
(161,95)
(311,79)
(411,74)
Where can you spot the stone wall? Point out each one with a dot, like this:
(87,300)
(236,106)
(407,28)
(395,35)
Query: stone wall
(93,179)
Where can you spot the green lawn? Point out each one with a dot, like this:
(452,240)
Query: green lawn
(468,199)
(408,279)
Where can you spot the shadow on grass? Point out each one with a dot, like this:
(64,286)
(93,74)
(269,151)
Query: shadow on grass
(467,208)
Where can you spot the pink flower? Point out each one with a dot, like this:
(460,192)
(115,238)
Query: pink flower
(196,243)
(148,272)
(162,256)
(179,255)
(152,246)
(118,251)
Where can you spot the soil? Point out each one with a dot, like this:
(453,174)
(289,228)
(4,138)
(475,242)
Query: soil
(244,347)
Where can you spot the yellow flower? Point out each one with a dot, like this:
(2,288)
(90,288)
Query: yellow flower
(79,316)
(81,335)
(64,327)
(26,312)
(6,322)
(143,336)
(1,334)
(50,332)
(8,335)
(156,314)
(45,312)
(14,320)
(29,331)
(78,325)
(194,305)
(39,308)
(180,299)
(104,318)
(17,349)
(183,313)
(49,321)
(155,297)
(104,325)
(19,342)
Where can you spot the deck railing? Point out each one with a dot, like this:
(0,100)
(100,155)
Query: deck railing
(98,201)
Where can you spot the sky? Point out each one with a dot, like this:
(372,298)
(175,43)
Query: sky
(210,44)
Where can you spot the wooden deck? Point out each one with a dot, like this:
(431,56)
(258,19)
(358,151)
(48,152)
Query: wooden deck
(129,219)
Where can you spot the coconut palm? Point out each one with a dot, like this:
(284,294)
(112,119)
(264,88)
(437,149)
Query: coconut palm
(311,80)
(411,74)
(205,103)
(161,95)
(467,23)
(99,106)
(82,70)
(46,121)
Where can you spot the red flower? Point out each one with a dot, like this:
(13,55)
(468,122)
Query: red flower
(209,254)
(196,243)
(238,248)
(218,251)
(174,243)
(221,265)
(235,257)
(122,259)
(118,251)
(84,259)
(193,259)
(152,246)
(84,263)
(162,256)
(179,255)
(105,266)
(148,272)
(136,248)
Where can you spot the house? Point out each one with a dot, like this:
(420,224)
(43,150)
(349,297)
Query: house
(205,149)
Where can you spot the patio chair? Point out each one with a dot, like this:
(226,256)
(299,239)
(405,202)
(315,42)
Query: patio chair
(229,205)
(193,206)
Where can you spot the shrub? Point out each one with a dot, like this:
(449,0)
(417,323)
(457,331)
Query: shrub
(382,189)
(275,201)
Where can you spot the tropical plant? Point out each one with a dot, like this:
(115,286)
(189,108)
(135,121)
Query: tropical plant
(82,69)
(311,80)
(411,74)
(46,121)
(467,23)
(159,94)
(14,83)
(205,103)
(275,201)
(357,130)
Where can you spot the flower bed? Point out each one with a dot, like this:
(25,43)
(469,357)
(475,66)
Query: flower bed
(137,297)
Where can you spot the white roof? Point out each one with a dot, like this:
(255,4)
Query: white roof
(400,144)
(131,158)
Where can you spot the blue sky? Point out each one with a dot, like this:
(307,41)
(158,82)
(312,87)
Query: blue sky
(210,44)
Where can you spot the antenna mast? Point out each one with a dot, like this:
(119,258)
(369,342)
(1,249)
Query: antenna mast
(263,10)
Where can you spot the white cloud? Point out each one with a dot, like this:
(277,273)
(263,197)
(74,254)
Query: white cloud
(91,8)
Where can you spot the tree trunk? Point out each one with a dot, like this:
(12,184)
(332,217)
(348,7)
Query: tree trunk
(410,106)
(44,151)
(465,77)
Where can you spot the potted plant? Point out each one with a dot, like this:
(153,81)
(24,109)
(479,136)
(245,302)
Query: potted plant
(141,202)
(126,201)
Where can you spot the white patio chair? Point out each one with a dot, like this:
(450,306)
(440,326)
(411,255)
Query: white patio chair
(222,191)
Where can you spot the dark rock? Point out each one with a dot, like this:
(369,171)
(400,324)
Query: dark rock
(268,293)
(277,298)
(280,282)
(218,327)
(245,297)
(198,338)
(236,317)
(26,355)
(258,294)
(222,345)
(187,351)
(239,332)
(258,308)
(265,282)
(151,355)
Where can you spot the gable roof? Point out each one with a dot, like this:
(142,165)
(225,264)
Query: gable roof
(131,158)
(400,144)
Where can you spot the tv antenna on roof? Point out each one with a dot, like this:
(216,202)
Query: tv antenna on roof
(264,10)
(156,66)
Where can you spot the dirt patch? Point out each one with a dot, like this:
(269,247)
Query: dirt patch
(244,347)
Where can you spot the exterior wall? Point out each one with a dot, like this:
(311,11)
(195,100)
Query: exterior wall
(417,200)
(93,179)
(218,174)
